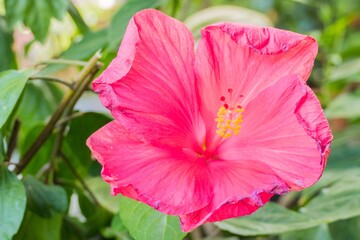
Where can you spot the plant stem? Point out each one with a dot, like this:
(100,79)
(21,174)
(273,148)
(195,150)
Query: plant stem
(13,139)
(78,20)
(81,83)
(77,175)
(63,61)
(53,79)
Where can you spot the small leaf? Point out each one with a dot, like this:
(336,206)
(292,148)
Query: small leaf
(44,200)
(7,60)
(122,17)
(346,105)
(36,14)
(145,223)
(12,84)
(12,203)
(102,193)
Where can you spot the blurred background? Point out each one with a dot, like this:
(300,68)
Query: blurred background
(57,37)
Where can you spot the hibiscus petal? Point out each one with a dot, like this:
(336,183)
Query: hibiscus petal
(246,60)
(285,129)
(149,87)
(169,181)
(282,145)
(240,189)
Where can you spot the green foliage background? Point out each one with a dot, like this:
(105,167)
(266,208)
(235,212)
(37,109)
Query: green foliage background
(56,192)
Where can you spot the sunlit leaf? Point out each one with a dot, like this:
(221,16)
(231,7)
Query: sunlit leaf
(102,193)
(222,13)
(348,71)
(36,14)
(145,223)
(12,203)
(12,84)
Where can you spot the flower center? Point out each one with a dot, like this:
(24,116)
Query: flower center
(229,117)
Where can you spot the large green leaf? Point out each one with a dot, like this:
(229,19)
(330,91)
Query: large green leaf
(12,84)
(43,199)
(122,17)
(145,223)
(35,227)
(271,219)
(12,203)
(317,233)
(346,229)
(36,14)
(7,60)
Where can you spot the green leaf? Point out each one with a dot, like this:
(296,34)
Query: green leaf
(43,199)
(74,143)
(83,49)
(12,203)
(345,229)
(36,14)
(12,84)
(39,101)
(346,105)
(271,219)
(318,233)
(36,227)
(348,71)
(44,153)
(101,191)
(143,222)
(121,19)
(7,60)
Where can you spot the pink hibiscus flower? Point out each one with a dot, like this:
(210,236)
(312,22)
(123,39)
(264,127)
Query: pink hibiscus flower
(211,134)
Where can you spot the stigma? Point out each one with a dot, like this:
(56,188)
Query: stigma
(229,117)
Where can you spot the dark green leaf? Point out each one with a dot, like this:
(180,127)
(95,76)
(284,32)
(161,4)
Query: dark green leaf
(122,17)
(45,199)
(39,101)
(12,203)
(7,60)
(12,84)
(44,153)
(36,14)
(35,227)
(79,130)
(143,222)
(345,229)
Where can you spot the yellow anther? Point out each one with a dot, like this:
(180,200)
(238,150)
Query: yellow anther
(229,120)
